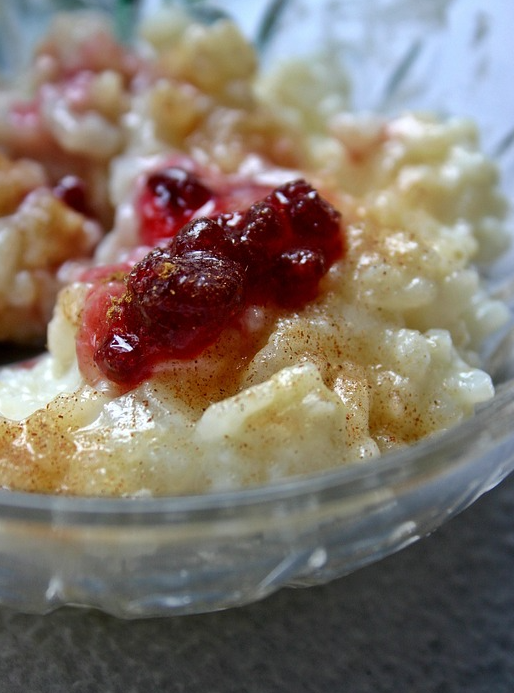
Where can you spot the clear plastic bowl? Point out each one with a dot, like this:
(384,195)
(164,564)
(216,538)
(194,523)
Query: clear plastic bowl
(162,556)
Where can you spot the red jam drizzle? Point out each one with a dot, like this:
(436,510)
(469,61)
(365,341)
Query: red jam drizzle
(178,299)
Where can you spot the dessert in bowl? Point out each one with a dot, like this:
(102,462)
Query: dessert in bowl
(286,301)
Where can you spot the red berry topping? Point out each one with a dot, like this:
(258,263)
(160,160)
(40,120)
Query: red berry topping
(314,222)
(121,356)
(263,231)
(101,315)
(185,300)
(178,299)
(296,275)
(72,191)
(204,234)
(170,199)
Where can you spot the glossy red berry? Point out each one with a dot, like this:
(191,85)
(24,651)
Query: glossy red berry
(170,199)
(72,191)
(185,300)
(204,234)
(178,299)
(296,276)
(178,190)
(264,233)
(121,356)
(314,222)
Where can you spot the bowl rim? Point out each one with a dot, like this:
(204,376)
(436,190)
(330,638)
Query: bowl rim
(443,451)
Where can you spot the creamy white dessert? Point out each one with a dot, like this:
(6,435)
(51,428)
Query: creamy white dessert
(385,352)
(38,233)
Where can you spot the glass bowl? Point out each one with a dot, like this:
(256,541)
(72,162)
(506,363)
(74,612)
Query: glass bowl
(145,557)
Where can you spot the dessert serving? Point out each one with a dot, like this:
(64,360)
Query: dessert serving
(239,286)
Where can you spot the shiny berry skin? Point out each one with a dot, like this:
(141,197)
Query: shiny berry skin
(204,234)
(121,357)
(72,191)
(313,220)
(177,300)
(185,300)
(296,276)
(263,234)
(173,306)
(170,199)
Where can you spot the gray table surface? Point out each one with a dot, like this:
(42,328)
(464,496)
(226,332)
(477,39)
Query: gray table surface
(438,617)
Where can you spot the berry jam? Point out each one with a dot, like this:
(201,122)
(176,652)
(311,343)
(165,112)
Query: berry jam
(173,196)
(177,300)
(72,191)
(170,199)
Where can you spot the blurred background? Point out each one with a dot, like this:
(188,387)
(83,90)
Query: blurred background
(448,56)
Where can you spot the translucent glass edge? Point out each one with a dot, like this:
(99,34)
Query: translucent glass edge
(292,563)
(491,426)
